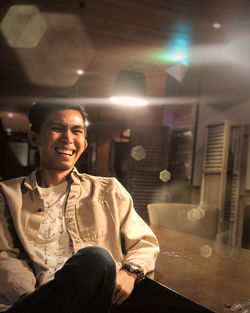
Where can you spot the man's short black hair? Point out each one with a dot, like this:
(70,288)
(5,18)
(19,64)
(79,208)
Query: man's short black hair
(44,106)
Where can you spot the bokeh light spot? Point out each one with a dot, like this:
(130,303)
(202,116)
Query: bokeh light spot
(23,26)
(57,69)
(195,214)
(165,175)
(138,153)
(206,251)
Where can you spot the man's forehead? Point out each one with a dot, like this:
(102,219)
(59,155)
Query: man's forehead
(67,116)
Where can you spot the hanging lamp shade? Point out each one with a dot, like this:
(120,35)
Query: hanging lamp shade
(130,83)
(129,88)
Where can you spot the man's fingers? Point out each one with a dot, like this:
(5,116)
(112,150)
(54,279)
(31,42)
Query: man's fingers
(124,286)
(122,299)
(116,296)
(120,296)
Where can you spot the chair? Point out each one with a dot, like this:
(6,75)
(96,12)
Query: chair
(184,218)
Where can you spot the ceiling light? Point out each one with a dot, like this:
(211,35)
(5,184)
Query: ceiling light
(129,89)
(80,72)
(217,25)
(129,101)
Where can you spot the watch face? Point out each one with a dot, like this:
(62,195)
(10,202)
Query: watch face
(135,268)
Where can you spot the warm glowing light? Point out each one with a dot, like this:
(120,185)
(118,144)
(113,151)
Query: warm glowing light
(80,72)
(129,101)
(188,133)
(217,25)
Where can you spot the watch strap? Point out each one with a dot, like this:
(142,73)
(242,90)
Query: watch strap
(134,269)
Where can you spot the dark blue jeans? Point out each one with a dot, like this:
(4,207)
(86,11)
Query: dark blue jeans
(85,284)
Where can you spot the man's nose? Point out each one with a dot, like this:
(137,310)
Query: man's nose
(68,136)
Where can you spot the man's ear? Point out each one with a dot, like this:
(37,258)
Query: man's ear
(85,144)
(33,138)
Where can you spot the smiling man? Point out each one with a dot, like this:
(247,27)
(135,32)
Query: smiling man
(69,242)
(60,141)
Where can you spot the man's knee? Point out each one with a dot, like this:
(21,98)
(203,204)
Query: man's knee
(98,256)
(89,262)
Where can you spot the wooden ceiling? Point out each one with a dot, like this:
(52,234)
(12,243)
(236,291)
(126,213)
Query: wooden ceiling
(103,36)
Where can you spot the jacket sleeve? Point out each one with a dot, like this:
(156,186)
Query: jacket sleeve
(139,242)
(17,277)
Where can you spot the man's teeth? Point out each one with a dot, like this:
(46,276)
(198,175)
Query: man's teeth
(65,151)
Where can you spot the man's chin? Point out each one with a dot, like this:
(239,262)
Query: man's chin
(64,166)
(60,165)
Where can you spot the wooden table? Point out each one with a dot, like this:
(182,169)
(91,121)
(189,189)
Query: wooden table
(199,270)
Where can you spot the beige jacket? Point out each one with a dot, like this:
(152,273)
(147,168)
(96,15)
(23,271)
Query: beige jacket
(99,212)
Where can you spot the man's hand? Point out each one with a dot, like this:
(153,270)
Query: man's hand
(124,286)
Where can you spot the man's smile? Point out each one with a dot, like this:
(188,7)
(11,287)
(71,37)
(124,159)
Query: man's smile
(65,151)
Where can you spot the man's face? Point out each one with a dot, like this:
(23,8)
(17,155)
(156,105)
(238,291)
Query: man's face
(61,140)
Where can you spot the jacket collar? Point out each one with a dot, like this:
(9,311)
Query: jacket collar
(31,183)
(76,176)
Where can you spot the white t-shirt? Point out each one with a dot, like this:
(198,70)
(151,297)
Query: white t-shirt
(53,244)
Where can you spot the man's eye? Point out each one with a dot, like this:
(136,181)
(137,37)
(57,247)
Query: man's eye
(78,131)
(56,129)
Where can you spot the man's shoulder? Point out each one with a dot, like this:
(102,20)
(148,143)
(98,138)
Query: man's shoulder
(11,188)
(100,180)
(104,183)
(12,182)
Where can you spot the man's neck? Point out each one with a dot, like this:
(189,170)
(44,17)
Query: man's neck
(49,178)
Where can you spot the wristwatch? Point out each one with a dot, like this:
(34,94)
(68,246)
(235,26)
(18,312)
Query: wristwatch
(133,268)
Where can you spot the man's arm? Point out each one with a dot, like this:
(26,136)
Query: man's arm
(139,243)
(17,277)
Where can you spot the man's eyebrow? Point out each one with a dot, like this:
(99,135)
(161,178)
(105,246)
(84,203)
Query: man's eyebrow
(78,126)
(56,123)
(63,125)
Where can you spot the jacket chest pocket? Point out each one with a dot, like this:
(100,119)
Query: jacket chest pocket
(33,225)
(94,220)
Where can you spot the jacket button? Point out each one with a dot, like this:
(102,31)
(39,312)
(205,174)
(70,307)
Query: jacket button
(39,210)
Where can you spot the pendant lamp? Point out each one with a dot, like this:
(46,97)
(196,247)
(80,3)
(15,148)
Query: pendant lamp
(129,89)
